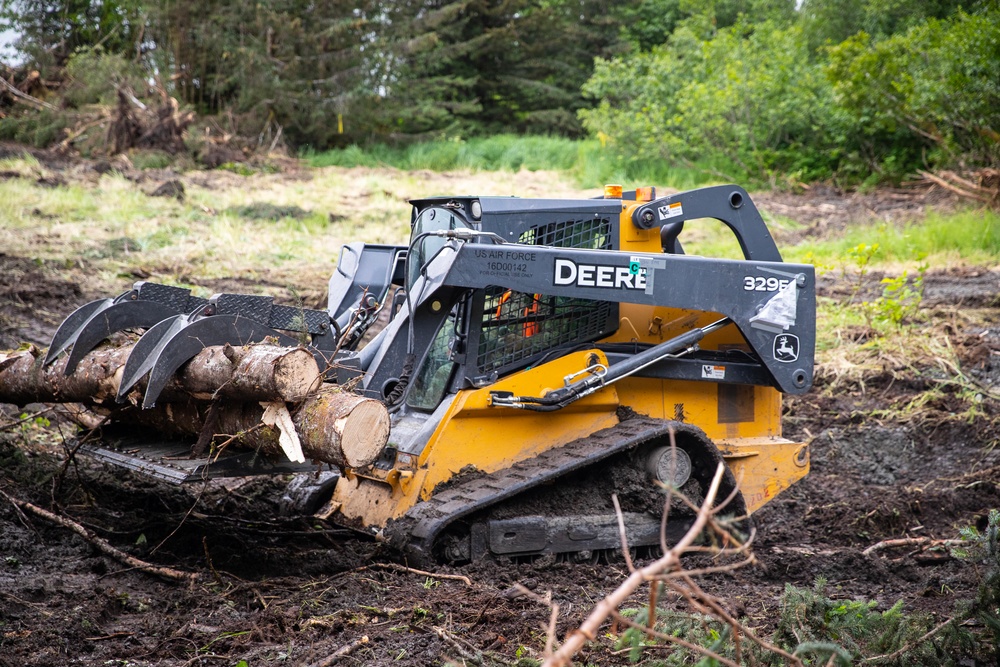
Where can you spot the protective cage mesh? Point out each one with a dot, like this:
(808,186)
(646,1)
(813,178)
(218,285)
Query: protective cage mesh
(517,325)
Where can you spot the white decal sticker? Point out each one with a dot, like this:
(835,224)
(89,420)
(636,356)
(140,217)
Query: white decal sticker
(710,372)
(786,348)
(778,314)
(670,210)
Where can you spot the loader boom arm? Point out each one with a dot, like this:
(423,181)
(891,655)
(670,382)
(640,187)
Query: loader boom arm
(771,302)
(680,281)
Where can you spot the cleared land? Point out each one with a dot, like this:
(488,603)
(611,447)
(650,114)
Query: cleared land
(903,422)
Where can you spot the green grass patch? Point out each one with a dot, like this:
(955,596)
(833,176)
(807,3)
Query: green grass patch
(970,236)
(588,162)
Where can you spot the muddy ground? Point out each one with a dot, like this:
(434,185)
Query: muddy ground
(276,590)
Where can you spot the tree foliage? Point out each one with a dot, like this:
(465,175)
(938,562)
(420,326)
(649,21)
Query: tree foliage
(50,31)
(749,96)
(852,89)
(937,82)
(760,100)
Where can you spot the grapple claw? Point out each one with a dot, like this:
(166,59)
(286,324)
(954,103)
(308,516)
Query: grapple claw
(70,328)
(143,355)
(118,317)
(178,340)
(142,306)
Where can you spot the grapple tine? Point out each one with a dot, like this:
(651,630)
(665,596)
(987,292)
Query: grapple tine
(180,345)
(118,317)
(70,328)
(143,354)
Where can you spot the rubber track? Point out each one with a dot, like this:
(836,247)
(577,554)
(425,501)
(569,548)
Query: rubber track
(423,524)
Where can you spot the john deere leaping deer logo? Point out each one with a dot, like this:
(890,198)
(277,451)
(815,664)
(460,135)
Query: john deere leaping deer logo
(786,348)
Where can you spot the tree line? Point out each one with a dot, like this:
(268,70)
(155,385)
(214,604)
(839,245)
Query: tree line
(854,89)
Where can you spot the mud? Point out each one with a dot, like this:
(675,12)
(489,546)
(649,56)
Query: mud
(290,590)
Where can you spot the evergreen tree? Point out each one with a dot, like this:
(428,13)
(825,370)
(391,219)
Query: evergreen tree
(490,65)
(50,31)
(294,62)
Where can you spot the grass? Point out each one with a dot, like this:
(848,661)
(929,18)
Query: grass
(590,164)
(288,227)
(967,237)
(970,236)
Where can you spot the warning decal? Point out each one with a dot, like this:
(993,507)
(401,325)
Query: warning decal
(712,372)
(668,211)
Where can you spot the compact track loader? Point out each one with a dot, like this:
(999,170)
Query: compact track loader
(535,356)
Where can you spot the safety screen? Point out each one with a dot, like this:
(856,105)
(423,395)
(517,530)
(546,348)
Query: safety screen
(517,325)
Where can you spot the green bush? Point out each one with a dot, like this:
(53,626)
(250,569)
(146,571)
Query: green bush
(749,99)
(935,84)
(36,128)
(983,548)
(759,102)
(822,630)
(93,77)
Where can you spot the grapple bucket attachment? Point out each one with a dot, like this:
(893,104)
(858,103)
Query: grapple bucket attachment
(179,325)
(142,306)
(167,346)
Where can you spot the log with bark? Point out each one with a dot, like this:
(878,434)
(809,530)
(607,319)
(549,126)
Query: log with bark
(332,425)
(250,373)
(225,391)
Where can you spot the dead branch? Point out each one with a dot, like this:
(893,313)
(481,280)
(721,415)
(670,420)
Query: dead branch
(916,642)
(78,132)
(550,631)
(749,560)
(924,542)
(103,545)
(621,532)
(396,567)
(341,652)
(954,188)
(25,97)
(589,628)
(459,646)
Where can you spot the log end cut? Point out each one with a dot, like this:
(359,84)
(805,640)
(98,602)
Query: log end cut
(343,428)
(365,432)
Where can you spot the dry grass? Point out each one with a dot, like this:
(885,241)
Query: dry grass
(114,230)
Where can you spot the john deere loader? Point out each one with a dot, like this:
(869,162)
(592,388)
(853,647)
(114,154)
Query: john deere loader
(479,392)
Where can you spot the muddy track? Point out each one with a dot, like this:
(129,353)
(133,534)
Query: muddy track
(285,590)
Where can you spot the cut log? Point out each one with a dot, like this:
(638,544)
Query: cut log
(23,378)
(333,426)
(359,426)
(251,373)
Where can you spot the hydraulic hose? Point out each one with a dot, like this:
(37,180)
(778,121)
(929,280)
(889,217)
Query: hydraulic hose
(560,398)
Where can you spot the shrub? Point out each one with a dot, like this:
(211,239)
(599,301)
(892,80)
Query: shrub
(749,97)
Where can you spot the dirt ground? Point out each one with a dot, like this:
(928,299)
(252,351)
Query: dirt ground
(276,590)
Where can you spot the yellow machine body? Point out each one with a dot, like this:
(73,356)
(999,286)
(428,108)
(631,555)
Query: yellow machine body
(743,421)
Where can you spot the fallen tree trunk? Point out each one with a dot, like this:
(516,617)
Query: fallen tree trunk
(251,373)
(329,425)
(332,425)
